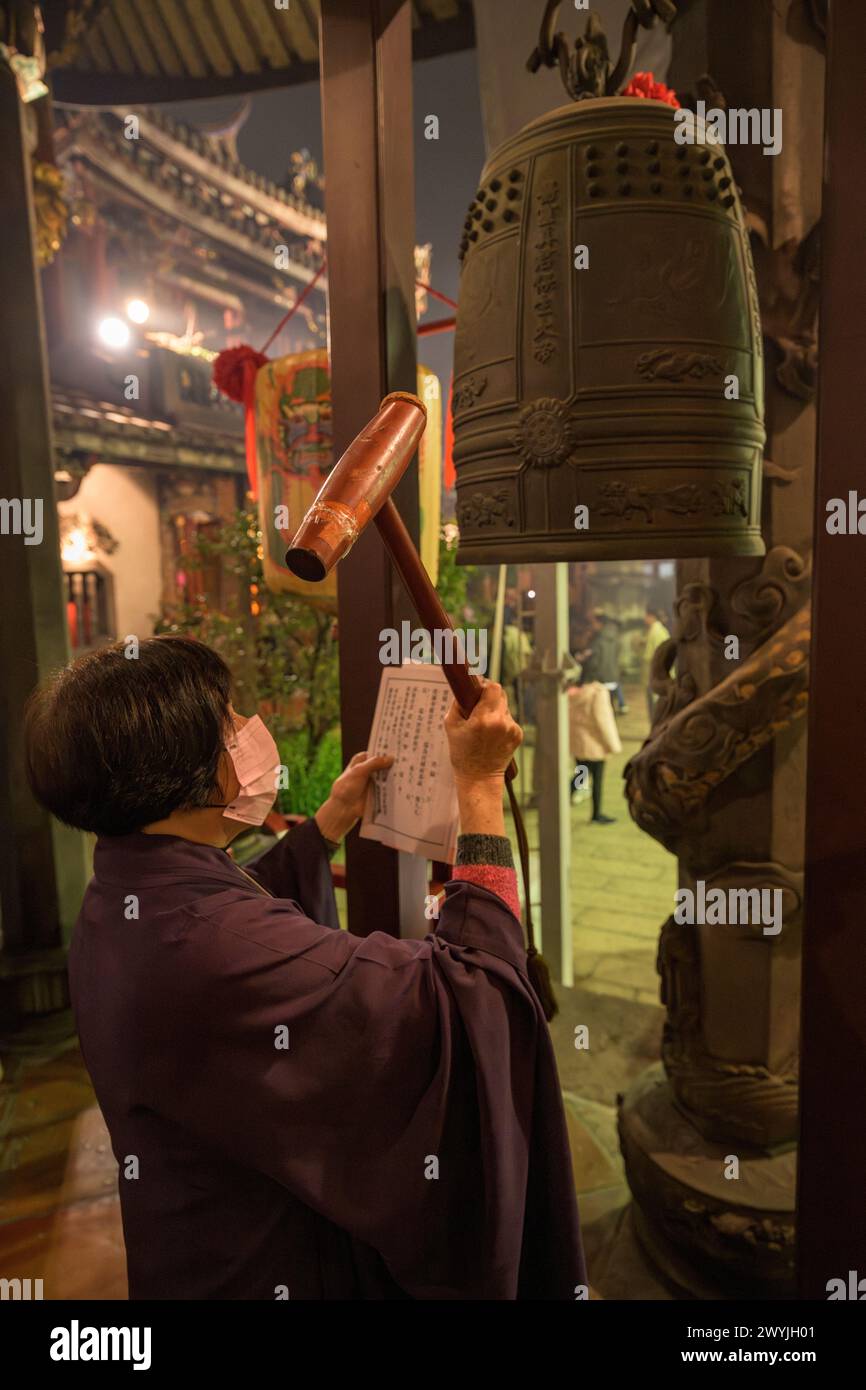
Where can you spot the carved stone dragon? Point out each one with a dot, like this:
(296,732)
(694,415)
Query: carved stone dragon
(698,741)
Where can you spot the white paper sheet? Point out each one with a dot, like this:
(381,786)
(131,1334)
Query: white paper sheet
(413,806)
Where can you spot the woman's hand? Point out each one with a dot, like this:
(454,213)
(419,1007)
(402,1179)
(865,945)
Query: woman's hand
(482,745)
(481,748)
(345,806)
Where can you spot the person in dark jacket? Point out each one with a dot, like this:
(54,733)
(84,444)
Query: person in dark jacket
(297,1112)
(601,660)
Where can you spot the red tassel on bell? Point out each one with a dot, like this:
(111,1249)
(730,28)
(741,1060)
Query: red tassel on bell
(643,84)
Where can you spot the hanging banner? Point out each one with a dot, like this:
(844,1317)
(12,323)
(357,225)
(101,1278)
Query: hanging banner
(295,455)
(294,445)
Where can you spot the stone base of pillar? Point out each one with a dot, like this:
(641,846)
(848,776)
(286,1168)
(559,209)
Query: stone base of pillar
(710,1236)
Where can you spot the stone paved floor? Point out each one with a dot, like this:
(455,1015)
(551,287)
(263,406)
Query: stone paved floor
(622,889)
(60,1214)
(622,881)
(59,1210)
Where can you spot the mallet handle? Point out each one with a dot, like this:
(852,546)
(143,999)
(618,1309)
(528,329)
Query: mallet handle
(465,686)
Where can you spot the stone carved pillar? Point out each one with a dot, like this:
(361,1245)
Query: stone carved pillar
(721,779)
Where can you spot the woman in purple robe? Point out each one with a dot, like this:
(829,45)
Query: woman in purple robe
(298,1112)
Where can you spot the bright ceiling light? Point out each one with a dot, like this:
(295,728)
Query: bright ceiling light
(138,310)
(114,333)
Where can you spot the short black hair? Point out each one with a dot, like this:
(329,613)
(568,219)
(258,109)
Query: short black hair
(115,740)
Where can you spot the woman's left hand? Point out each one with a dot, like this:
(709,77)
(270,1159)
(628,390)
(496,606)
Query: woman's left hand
(345,806)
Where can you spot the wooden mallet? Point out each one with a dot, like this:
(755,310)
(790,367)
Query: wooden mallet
(357,491)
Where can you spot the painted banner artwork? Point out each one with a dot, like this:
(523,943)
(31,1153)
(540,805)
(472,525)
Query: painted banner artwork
(295,455)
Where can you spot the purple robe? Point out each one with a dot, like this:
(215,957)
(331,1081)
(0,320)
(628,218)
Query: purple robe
(314,1114)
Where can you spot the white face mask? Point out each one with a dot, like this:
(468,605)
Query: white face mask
(256,761)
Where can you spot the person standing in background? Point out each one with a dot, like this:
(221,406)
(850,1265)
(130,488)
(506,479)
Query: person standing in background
(656,634)
(601,659)
(516,655)
(593,736)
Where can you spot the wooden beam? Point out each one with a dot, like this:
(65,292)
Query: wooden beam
(94,48)
(160,38)
(365,48)
(136,36)
(205,34)
(307,14)
(127,447)
(108,87)
(115,41)
(231,17)
(42,863)
(299,36)
(832,1162)
(116,89)
(182,36)
(262,21)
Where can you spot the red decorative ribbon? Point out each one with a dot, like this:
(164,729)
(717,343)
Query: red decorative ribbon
(235,369)
(234,374)
(437,294)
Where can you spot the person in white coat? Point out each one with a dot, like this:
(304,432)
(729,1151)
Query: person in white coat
(593,737)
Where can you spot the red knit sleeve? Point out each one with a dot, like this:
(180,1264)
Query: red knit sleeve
(502,882)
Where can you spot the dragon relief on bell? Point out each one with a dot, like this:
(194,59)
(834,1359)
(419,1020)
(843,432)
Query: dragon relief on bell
(486,510)
(546,433)
(468,392)
(669,364)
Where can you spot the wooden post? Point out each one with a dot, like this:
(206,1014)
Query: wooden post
(494,671)
(366,58)
(41,864)
(553,771)
(831,1229)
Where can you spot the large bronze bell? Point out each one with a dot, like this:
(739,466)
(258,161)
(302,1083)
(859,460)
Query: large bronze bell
(632,388)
